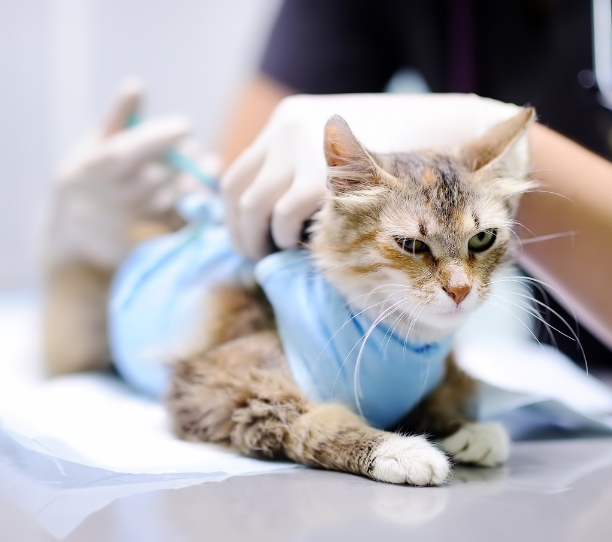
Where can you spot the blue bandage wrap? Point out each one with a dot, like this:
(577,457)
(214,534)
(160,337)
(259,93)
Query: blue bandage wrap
(157,310)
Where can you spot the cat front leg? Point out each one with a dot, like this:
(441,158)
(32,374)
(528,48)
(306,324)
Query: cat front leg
(331,436)
(479,443)
(74,319)
(242,393)
(443,415)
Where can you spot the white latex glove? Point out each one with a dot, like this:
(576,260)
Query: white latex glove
(279,181)
(113,180)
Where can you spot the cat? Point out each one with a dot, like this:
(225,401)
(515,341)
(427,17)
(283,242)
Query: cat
(431,228)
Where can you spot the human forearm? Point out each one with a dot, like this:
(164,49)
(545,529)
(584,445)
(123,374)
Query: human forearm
(249,114)
(575,196)
(110,192)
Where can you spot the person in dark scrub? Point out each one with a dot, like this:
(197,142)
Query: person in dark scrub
(527,52)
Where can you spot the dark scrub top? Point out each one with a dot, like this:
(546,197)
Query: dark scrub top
(519,51)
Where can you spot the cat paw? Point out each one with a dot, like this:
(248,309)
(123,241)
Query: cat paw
(409,460)
(485,444)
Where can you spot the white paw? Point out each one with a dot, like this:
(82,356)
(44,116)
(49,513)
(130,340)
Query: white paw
(485,444)
(410,460)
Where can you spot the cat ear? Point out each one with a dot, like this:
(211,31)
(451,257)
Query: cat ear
(351,166)
(505,142)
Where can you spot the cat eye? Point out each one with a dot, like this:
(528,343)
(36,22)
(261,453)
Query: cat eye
(482,241)
(411,245)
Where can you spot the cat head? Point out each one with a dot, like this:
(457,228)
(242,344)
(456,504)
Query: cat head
(424,230)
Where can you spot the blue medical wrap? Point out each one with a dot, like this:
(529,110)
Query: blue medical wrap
(158,304)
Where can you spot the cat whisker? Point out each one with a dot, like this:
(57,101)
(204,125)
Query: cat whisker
(549,237)
(574,334)
(574,337)
(368,294)
(543,169)
(522,323)
(526,284)
(390,331)
(504,181)
(534,313)
(378,289)
(403,315)
(412,325)
(337,267)
(405,320)
(348,322)
(537,192)
(530,285)
(528,172)
(540,318)
(520,278)
(409,320)
(414,320)
(363,340)
(517,237)
(517,223)
(500,183)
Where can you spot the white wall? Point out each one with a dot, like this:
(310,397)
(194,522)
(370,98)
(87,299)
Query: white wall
(59,63)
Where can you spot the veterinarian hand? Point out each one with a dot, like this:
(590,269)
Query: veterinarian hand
(278,182)
(115,179)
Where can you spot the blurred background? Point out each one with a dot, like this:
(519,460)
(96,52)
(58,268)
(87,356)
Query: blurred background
(60,62)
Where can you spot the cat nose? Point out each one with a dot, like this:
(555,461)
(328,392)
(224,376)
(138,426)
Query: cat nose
(458,292)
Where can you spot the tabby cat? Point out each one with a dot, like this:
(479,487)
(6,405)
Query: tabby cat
(412,242)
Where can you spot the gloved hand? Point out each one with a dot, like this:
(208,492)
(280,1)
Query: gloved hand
(279,181)
(115,179)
